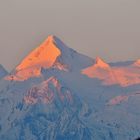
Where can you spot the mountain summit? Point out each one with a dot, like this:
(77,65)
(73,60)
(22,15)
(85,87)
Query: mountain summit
(111,75)
(52,53)
(100,63)
(44,56)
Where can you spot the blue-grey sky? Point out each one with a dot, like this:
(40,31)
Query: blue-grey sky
(106,28)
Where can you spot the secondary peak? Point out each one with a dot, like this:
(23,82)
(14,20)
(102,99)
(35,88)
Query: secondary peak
(101,63)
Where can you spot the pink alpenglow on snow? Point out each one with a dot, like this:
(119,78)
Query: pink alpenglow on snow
(42,57)
(123,76)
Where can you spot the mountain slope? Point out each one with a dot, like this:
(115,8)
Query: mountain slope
(47,111)
(3,72)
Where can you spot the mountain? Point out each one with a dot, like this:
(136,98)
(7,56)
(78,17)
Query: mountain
(99,63)
(48,110)
(110,75)
(3,72)
(52,53)
(100,70)
(56,93)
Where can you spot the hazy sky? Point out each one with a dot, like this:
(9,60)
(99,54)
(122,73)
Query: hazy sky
(106,28)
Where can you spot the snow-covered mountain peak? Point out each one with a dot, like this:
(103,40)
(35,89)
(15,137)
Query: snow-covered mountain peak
(100,69)
(100,63)
(52,53)
(43,56)
(110,75)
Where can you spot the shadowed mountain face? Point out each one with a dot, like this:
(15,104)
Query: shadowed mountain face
(3,72)
(56,93)
(48,110)
(137,139)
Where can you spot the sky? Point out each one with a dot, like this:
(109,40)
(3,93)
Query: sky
(106,28)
